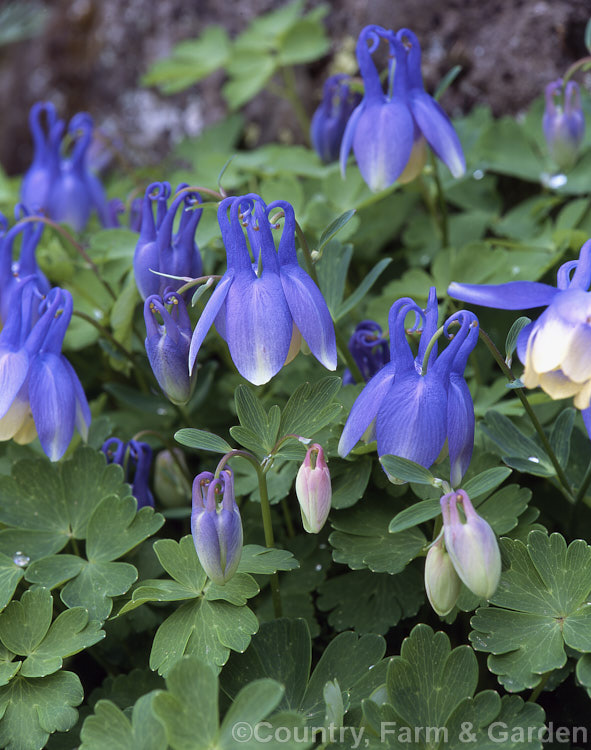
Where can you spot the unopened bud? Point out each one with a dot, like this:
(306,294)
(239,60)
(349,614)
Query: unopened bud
(442,583)
(216,525)
(313,490)
(170,483)
(564,122)
(472,545)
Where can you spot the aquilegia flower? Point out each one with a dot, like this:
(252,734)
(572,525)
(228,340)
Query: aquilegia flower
(40,393)
(63,187)
(419,402)
(555,348)
(13,272)
(167,345)
(135,457)
(216,525)
(563,122)
(370,350)
(40,175)
(159,250)
(330,119)
(472,545)
(262,308)
(387,131)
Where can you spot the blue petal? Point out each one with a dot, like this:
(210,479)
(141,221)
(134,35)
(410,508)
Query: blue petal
(460,427)
(411,421)
(83,416)
(169,362)
(207,544)
(310,314)
(438,130)
(383,142)
(582,276)
(348,135)
(258,326)
(366,407)
(209,314)
(514,295)
(13,372)
(52,403)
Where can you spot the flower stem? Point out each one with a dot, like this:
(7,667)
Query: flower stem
(76,245)
(535,693)
(290,93)
(508,372)
(443,220)
(265,514)
(107,334)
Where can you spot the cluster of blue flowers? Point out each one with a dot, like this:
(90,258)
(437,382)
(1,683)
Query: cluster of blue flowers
(390,128)
(414,403)
(135,457)
(417,402)
(59,186)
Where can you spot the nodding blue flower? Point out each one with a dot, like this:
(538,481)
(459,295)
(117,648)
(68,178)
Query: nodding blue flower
(64,188)
(40,393)
(167,345)
(216,525)
(263,308)
(563,122)
(330,119)
(45,166)
(135,457)
(555,348)
(472,545)
(388,131)
(158,249)
(12,272)
(417,403)
(369,349)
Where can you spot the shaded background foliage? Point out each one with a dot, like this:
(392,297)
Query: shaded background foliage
(90,55)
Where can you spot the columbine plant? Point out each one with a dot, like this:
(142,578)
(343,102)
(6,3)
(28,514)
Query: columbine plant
(555,347)
(159,249)
(389,130)
(415,403)
(265,304)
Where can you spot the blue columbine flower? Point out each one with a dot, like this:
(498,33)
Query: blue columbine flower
(135,457)
(45,166)
(388,131)
(167,345)
(330,119)
(40,393)
(555,348)
(216,525)
(369,349)
(262,308)
(563,122)
(64,188)
(158,250)
(12,272)
(419,402)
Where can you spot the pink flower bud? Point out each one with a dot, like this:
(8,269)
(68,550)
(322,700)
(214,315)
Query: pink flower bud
(313,490)
(472,545)
(441,580)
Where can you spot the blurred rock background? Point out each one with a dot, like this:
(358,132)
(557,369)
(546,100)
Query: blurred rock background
(90,55)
